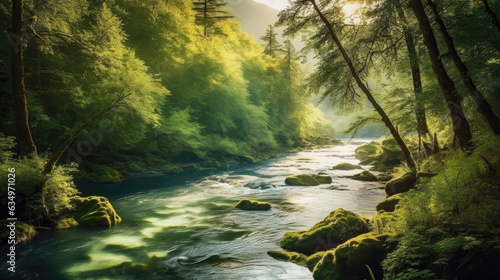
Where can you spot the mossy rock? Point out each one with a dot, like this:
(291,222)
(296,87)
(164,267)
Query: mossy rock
(24,232)
(293,257)
(308,180)
(367,152)
(190,167)
(249,204)
(66,223)
(350,259)
(365,176)
(335,229)
(401,184)
(93,211)
(103,174)
(346,166)
(314,259)
(154,160)
(171,169)
(389,204)
(325,268)
(132,167)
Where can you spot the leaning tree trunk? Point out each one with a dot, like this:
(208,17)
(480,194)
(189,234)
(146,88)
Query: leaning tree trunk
(406,152)
(422,127)
(491,14)
(460,124)
(26,144)
(481,103)
(49,166)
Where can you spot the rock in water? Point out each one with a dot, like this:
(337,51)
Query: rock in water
(93,211)
(248,204)
(401,184)
(349,260)
(365,176)
(335,229)
(389,204)
(23,231)
(346,166)
(307,180)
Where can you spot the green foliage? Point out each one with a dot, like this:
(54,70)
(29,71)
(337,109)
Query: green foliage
(104,174)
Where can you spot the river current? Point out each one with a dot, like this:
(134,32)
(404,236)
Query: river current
(184,226)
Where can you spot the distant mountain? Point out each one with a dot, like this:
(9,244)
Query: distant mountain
(254,17)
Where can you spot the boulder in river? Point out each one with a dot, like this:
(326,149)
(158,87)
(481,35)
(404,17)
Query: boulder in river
(298,258)
(346,166)
(389,204)
(335,229)
(93,211)
(23,231)
(66,223)
(249,204)
(401,184)
(365,176)
(350,260)
(308,180)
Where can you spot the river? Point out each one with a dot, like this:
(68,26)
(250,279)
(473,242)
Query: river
(184,226)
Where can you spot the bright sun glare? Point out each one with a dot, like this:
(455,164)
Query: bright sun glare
(351,12)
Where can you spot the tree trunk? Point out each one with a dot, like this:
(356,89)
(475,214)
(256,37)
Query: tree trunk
(491,14)
(406,152)
(460,123)
(24,139)
(205,18)
(422,127)
(481,103)
(49,166)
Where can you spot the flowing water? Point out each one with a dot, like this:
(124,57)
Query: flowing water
(184,226)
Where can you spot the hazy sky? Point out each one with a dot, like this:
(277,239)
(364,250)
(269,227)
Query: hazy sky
(277,4)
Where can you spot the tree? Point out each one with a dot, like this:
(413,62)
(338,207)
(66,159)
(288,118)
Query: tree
(293,14)
(460,123)
(480,101)
(24,138)
(209,13)
(415,71)
(493,17)
(272,47)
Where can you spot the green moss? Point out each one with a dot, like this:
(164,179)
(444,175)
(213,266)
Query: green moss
(367,152)
(365,176)
(66,223)
(190,167)
(389,204)
(307,180)
(132,167)
(346,166)
(314,259)
(245,159)
(24,232)
(248,204)
(154,160)
(292,257)
(383,155)
(93,211)
(352,257)
(325,269)
(171,169)
(401,184)
(338,227)
(103,174)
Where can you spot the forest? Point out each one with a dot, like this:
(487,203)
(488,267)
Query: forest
(155,139)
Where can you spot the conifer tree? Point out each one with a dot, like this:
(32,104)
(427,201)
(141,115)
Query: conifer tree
(209,13)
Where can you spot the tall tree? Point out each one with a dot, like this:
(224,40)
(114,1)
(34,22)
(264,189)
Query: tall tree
(493,17)
(25,141)
(422,127)
(209,13)
(272,46)
(479,100)
(301,6)
(460,123)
